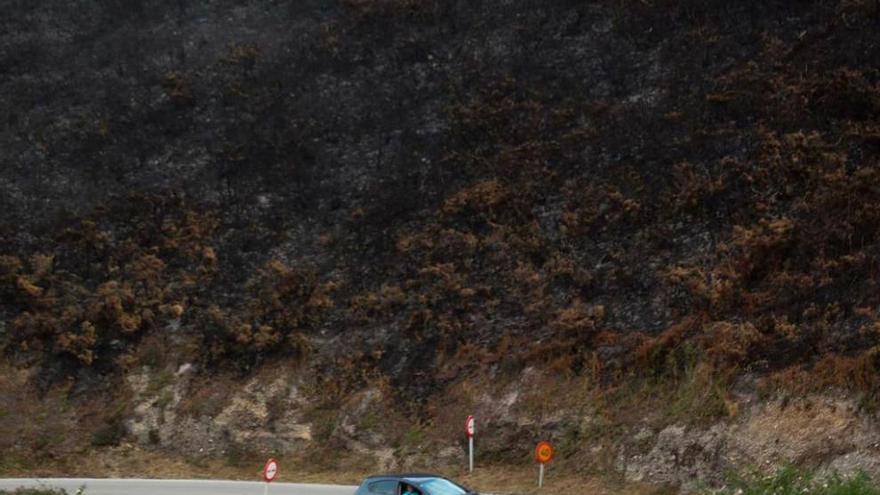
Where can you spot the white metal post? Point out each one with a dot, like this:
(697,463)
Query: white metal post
(266,489)
(471,453)
(541,475)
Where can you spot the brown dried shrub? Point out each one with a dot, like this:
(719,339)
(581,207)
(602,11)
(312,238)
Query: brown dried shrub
(857,373)
(483,197)
(728,345)
(80,344)
(28,288)
(860,372)
(651,353)
(691,187)
(177,88)
(594,209)
(845,93)
(578,318)
(41,265)
(10,266)
(369,305)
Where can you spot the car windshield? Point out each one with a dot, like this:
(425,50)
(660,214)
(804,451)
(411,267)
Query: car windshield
(439,486)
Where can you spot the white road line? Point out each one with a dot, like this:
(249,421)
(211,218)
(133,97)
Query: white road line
(174,487)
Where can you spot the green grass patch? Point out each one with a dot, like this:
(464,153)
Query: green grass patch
(237,455)
(48,439)
(699,396)
(158,382)
(369,421)
(414,437)
(8,463)
(111,432)
(793,481)
(165,398)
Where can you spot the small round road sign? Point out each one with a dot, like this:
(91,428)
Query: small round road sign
(270,470)
(469,426)
(544,452)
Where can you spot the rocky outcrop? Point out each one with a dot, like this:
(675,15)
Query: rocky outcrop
(265,414)
(824,432)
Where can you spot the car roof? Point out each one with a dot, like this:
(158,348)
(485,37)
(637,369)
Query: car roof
(405,475)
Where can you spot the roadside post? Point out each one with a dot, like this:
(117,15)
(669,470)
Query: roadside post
(470,431)
(270,471)
(543,455)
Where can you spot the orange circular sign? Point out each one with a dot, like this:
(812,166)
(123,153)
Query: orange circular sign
(544,452)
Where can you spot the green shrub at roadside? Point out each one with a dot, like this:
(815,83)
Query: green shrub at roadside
(793,481)
(34,491)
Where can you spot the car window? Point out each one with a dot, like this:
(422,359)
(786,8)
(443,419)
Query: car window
(403,488)
(387,487)
(438,486)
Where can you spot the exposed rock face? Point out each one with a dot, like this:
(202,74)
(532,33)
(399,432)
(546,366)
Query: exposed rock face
(819,431)
(828,433)
(678,457)
(245,418)
(811,430)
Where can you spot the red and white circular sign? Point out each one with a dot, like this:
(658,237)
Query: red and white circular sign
(470,426)
(270,470)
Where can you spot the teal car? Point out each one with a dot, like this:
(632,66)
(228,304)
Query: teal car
(420,484)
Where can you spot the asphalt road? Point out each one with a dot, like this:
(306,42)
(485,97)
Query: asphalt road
(175,487)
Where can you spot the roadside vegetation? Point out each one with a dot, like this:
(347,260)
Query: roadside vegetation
(34,491)
(793,481)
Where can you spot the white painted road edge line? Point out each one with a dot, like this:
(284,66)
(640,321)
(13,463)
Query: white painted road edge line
(165,480)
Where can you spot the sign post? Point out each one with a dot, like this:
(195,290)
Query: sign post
(270,471)
(470,430)
(543,455)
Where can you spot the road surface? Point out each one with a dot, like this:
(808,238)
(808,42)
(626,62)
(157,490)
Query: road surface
(174,487)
